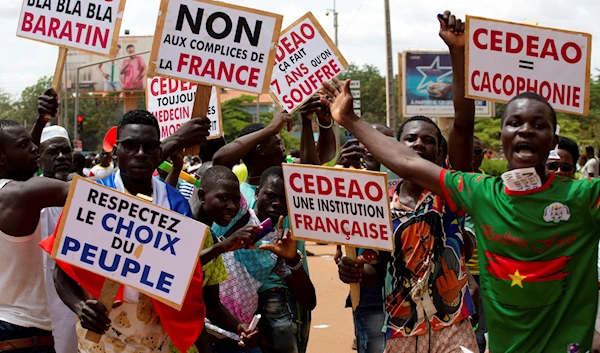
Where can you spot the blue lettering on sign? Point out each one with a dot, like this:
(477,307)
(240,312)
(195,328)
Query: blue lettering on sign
(130,266)
(149,235)
(143,234)
(105,224)
(102,262)
(70,244)
(87,253)
(163,282)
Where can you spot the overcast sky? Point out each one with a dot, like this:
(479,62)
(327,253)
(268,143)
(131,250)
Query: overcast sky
(361,27)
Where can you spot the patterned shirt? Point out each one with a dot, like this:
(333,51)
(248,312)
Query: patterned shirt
(429,279)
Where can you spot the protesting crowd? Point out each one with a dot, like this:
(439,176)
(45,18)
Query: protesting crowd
(479,263)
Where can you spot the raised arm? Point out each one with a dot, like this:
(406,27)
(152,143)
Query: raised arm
(460,144)
(22,201)
(47,105)
(91,313)
(192,133)
(308,148)
(400,159)
(173,177)
(231,154)
(327,144)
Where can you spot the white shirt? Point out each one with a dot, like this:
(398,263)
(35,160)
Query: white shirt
(590,167)
(100,171)
(63,319)
(23,300)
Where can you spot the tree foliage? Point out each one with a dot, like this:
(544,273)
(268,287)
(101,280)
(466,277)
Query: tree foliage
(102,113)
(372,91)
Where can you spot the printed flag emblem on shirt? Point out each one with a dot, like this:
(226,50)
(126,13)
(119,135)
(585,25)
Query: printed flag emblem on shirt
(557,212)
(525,284)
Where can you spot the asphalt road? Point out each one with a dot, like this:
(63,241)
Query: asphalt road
(332,329)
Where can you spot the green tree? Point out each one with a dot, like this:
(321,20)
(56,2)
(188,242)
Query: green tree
(234,117)
(372,91)
(7,108)
(25,108)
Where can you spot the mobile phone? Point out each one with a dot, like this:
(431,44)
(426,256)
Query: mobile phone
(349,137)
(267,227)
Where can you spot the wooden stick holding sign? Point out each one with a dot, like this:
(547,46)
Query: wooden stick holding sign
(201,104)
(107,298)
(58,74)
(109,293)
(354,287)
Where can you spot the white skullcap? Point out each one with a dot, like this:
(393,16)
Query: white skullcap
(54,131)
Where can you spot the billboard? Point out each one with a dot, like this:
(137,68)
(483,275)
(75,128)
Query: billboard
(427,86)
(128,74)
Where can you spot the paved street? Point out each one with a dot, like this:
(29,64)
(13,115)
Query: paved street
(332,329)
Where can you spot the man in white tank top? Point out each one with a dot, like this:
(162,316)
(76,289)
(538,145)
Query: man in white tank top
(25,323)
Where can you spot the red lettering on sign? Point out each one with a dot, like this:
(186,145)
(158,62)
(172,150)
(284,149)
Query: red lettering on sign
(508,85)
(54,28)
(478,32)
(291,41)
(516,39)
(529,45)
(244,75)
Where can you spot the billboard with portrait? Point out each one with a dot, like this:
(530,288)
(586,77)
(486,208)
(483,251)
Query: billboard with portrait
(127,74)
(427,85)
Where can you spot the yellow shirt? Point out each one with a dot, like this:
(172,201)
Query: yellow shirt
(213,272)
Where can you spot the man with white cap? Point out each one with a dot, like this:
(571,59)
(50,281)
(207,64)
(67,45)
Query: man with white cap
(56,159)
(56,155)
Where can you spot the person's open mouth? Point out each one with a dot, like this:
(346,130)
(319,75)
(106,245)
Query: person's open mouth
(525,151)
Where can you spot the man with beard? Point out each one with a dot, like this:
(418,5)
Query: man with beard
(535,242)
(56,159)
(56,155)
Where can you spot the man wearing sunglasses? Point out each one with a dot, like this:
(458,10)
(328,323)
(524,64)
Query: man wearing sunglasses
(149,326)
(568,151)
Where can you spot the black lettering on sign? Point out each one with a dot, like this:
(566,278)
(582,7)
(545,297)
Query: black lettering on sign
(195,24)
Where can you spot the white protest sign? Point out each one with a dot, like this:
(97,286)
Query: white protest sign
(305,58)
(172,101)
(505,59)
(88,25)
(214,43)
(129,240)
(339,206)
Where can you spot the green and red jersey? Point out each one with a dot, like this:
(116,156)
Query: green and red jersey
(537,256)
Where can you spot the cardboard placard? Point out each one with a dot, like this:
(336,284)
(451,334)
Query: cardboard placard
(172,102)
(88,25)
(339,206)
(129,240)
(305,58)
(506,58)
(214,43)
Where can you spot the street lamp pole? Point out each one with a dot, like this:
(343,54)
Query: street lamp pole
(336,127)
(389,87)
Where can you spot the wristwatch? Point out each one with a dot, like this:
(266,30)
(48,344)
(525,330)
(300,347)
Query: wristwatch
(300,262)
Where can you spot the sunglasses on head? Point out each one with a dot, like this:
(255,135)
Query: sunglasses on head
(132,146)
(565,167)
